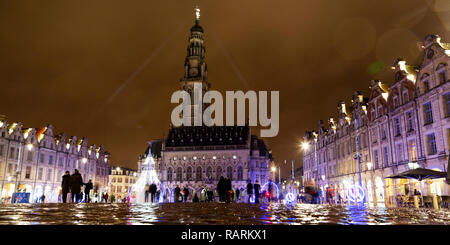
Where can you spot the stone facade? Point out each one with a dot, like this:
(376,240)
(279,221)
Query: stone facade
(200,166)
(404,126)
(120,182)
(35,160)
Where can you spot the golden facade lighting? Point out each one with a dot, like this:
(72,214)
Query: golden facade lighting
(41,134)
(11,129)
(26,133)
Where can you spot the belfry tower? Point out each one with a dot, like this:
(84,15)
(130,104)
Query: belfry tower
(195,69)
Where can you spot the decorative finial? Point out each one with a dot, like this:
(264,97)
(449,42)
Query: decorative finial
(197,14)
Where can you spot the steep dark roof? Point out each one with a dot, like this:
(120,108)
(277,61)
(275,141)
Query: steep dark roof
(196,27)
(207,136)
(156,149)
(261,146)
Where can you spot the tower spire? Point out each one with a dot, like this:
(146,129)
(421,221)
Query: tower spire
(195,68)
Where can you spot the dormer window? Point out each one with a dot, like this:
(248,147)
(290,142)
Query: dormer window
(405,96)
(441,73)
(447,104)
(395,101)
(442,77)
(426,83)
(426,86)
(380,110)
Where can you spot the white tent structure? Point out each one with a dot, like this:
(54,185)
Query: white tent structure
(147,177)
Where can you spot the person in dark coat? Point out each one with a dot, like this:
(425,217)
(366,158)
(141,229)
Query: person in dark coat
(238,197)
(76,181)
(210,195)
(195,199)
(257,187)
(152,190)
(65,186)
(249,190)
(177,193)
(87,191)
(221,189)
(228,190)
(147,191)
(186,193)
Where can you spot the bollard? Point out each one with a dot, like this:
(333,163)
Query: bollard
(416,201)
(435,202)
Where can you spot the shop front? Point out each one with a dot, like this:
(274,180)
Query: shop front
(379,192)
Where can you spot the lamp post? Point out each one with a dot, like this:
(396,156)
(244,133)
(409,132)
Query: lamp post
(358,156)
(274,169)
(117,172)
(279,175)
(305,146)
(18,169)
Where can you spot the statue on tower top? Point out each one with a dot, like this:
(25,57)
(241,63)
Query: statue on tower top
(197,13)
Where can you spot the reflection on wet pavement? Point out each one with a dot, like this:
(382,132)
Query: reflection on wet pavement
(214,213)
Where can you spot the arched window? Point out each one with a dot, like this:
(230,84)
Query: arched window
(189,173)
(179,173)
(219,172)
(425,82)
(240,173)
(447,104)
(209,172)
(169,174)
(230,172)
(198,174)
(405,96)
(380,110)
(441,73)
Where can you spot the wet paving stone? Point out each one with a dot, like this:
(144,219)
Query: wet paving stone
(214,214)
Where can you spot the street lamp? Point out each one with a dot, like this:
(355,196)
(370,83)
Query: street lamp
(305,146)
(274,169)
(18,169)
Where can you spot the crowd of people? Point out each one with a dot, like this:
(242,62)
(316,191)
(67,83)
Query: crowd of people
(223,193)
(72,184)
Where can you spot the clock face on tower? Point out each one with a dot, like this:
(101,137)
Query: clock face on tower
(193,62)
(193,72)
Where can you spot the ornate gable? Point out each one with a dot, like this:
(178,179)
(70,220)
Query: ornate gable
(433,47)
